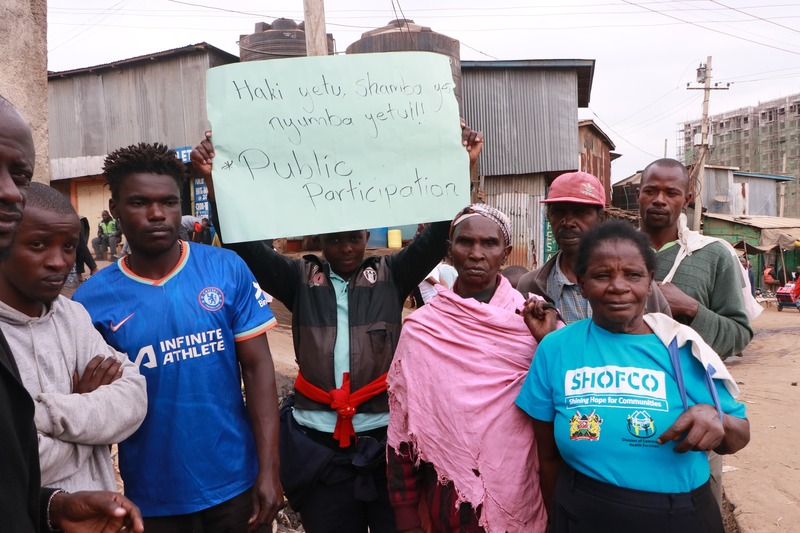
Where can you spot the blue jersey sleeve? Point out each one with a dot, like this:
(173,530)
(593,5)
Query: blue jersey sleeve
(252,315)
(536,395)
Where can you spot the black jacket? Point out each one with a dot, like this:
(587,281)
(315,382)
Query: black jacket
(376,293)
(22,502)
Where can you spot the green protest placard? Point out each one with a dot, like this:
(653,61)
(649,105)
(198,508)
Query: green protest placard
(322,144)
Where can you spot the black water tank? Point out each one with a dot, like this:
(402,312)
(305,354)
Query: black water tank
(403,35)
(282,38)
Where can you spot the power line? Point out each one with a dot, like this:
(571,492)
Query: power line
(528,28)
(138,27)
(734,20)
(414,40)
(620,136)
(635,113)
(461,12)
(680,81)
(480,10)
(786,77)
(475,49)
(400,26)
(643,6)
(755,17)
(448,29)
(90,24)
(401,9)
(260,14)
(760,73)
(664,114)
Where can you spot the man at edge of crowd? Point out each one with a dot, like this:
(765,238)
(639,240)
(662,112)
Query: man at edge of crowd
(702,283)
(705,291)
(77,381)
(24,506)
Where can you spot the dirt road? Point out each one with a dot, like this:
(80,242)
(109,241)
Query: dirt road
(763,480)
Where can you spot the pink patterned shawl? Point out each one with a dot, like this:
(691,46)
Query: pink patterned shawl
(458,367)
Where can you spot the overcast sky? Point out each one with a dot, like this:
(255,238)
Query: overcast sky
(645,51)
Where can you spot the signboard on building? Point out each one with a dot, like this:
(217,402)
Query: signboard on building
(550,245)
(201,207)
(183,153)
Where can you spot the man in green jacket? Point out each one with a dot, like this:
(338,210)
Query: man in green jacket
(705,289)
(705,292)
(108,234)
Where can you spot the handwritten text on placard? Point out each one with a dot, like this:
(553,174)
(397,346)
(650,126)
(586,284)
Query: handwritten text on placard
(323,144)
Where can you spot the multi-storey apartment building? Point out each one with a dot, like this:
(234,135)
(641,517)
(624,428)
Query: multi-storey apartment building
(764,138)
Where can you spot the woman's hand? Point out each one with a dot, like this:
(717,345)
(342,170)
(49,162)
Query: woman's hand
(540,317)
(697,429)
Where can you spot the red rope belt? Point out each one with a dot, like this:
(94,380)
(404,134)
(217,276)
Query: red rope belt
(342,402)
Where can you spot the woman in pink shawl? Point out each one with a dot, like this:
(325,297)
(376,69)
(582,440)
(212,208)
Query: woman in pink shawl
(462,457)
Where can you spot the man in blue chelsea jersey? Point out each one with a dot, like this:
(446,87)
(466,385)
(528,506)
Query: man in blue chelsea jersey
(190,316)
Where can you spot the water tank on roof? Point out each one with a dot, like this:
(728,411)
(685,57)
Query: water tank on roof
(404,35)
(282,38)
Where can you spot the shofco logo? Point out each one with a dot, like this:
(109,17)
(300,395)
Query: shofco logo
(615,379)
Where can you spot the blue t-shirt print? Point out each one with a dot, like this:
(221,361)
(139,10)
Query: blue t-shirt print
(609,397)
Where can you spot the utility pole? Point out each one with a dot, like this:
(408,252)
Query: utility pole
(698,200)
(703,76)
(316,38)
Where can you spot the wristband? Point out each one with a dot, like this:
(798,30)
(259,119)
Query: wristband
(49,501)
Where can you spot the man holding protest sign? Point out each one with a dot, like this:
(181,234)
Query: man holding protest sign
(346,318)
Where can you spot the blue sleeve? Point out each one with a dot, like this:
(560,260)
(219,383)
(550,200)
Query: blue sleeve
(251,313)
(729,405)
(536,395)
(697,389)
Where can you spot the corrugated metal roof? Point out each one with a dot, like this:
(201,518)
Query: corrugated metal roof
(583,67)
(759,221)
(637,178)
(589,123)
(765,176)
(633,179)
(189,49)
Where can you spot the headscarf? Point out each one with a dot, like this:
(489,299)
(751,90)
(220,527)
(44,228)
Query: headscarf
(487,211)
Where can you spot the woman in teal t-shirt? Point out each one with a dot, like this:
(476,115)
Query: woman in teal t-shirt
(623,415)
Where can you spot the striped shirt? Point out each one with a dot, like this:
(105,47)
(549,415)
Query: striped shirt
(567,295)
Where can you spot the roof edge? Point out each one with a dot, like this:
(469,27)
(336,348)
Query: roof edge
(189,49)
(584,67)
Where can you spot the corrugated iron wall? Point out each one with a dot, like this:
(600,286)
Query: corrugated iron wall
(520,198)
(529,117)
(595,157)
(92,114)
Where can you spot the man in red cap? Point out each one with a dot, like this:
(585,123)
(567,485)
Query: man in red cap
(576,203)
